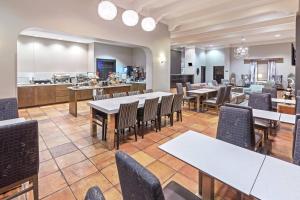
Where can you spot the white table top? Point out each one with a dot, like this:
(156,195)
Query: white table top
(111,106)
(202,91)
(234,166)
(285,101)
(287,118)
(277,180)
(263,114)
(11,121)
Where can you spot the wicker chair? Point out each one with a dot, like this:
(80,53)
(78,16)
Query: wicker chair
(187,98)
(94,193)
(126,118)
(215,102)
(214,83)
(261,102)
(137,183)
(295,133)
(19,157)
(101,118)
(273,92)
(133,93)
(8,109)
(165,109)
(121,94)
(297,107)
(148,113)
(147,91)
(176,106)
(236,127)
(227,94)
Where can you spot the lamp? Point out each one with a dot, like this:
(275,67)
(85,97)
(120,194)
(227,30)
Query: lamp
(107,10)
(130,18)
(148,24)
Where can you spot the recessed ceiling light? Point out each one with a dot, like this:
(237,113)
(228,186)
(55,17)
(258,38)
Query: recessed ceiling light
(277,35)
(243,39)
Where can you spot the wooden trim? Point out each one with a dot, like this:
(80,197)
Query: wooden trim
(263,60)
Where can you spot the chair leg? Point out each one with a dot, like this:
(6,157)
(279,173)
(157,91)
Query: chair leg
(143,129)
(177,115)
(159,123)
(35,187)
(171,118)
(155,124)
(135,133)
(189,105)
(180,115)
(118,139)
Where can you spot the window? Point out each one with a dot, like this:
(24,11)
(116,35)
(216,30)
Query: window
(262,72)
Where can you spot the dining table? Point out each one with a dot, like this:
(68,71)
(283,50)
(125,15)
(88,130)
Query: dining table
(11,121)
(200,93)
(110,107)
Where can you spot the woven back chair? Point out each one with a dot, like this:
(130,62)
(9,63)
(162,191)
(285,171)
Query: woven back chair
(214,83)
(19,156)
(220,96)
(126,118)
(227,94)
(8,109)
(273,92)
(297,107)
(260,101)
(179,88)
(298,93)
(133,93)
(236,126)
(94,193)
(188,86)
(296,149)
(147,91)
(297,118)
(101,97)
(121,94)
(148,113)
(176,106)
(165,109)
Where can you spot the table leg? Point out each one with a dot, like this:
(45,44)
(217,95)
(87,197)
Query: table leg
(198,103)
(73,103)
(93,126)
(111,125)
(208,185)
(200,183)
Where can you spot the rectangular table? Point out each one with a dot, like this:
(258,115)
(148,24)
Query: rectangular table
(232,165)
(287,118)
(284,101)
(277,180)
(264,114)
(199,93)
(11,121)
(111,106)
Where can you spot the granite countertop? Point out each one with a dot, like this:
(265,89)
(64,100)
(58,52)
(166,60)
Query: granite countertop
(40,85)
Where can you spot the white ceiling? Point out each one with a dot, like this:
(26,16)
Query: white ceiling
(221,23)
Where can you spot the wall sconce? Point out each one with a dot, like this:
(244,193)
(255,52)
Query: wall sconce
(162,59)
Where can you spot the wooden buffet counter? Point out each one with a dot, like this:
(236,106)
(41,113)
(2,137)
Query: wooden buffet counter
(76,94)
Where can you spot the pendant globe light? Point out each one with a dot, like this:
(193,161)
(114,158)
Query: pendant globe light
(107,10)
(130,17)
(148,24)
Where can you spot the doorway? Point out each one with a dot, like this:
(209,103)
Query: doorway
(218,73)
(203,74)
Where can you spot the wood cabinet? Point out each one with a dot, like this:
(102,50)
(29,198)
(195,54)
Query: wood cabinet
(45,95)
(62,93)
(26,97)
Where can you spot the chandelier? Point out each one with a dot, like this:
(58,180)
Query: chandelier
(241,52)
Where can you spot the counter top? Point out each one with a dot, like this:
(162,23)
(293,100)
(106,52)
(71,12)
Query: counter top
(39,85)
(97,87)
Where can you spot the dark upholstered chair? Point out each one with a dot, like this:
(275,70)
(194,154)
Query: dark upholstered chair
(227,94)
(214,83)
(147,91)
(165,109)
(8,109)
(187,97)
(298,93)
(236,127)
(148,113)
(19,157)
(137,183)
(273,92)
(261,102)
(121,94)
(297,107)
(296,144)
(126,118)
(94,193)
(176,106)
(215,102)
(297,118)
(133,93)
(101,118)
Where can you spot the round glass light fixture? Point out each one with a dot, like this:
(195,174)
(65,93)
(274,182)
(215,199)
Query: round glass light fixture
(241,52)
(130,17)
(148,24)
(107,10)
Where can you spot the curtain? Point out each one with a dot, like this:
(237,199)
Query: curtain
(253,71)
(271,70)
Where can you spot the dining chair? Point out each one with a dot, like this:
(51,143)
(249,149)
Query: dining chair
(298,93)
(227,94)
(236,127)
(121,94)
(165,109)
(187,97)
(100,117)
(273,92)
(148,113)
(147,91)
(215,102)
(297,118)
(297,107)
(126,118)
(176,106)
(214,83)
(138,183)
(131,93)
(19,157)
(8,109)
(94,193)
(262,101)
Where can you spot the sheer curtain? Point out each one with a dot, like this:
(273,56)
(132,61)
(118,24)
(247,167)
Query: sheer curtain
(253,71)
(271,69)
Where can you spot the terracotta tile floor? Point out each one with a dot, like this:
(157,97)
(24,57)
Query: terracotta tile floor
(72,161)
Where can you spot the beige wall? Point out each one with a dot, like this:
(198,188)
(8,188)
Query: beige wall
(76,17)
